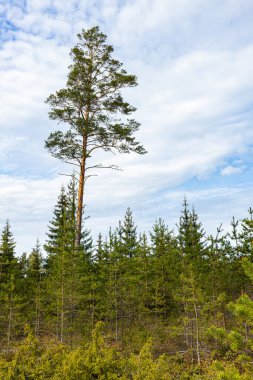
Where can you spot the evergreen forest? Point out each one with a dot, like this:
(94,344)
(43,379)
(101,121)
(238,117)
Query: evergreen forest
(170,303)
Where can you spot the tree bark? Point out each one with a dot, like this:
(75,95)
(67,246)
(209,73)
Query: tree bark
(80,196)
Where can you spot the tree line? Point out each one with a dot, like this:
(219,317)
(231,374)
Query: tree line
(188,291)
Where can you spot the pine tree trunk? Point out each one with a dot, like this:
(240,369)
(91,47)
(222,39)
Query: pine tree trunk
(80,195)
(80,204)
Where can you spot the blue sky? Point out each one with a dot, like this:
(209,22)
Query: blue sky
(193,60)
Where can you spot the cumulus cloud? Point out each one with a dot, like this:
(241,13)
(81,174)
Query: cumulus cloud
(194,100)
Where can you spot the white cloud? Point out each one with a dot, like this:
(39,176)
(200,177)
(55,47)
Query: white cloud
(28,204)
(228,170)
(193,61)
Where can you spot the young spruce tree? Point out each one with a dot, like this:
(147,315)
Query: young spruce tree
(9,298)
